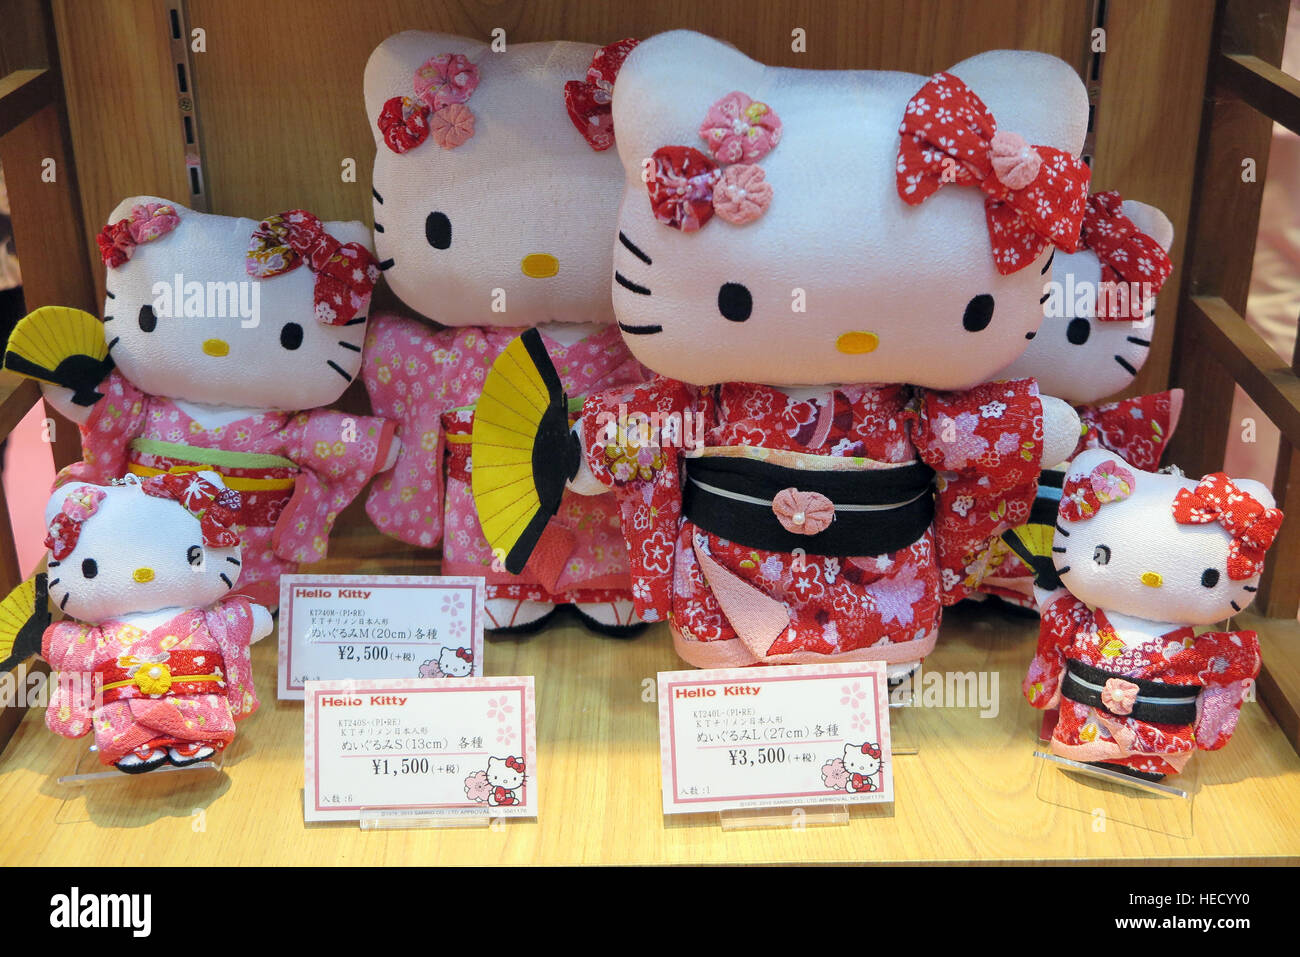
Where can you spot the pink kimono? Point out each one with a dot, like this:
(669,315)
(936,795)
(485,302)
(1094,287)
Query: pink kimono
(429,379)
(779,530)
(105,680)
(296,471)
(1145,708)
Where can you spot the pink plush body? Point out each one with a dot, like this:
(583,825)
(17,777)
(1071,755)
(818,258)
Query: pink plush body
(1217,664)
(76,649)
(428,380)
(279,528)
(782,608)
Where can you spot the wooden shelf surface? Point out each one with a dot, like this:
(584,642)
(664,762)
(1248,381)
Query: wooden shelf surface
(969,795)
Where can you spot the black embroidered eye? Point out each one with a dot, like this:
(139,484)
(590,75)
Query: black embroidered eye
(437,230)
(148,321)
(195,555)
(979,313)
(1101,554)
(735,302)
(291,336)
(1078,331)
(89,568)
(1210,577)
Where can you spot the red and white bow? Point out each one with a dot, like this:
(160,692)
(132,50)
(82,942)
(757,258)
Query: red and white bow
(1035,195)
(871,750)
(464,654)
(1127,254)
(515,764)
(216,508)
(65,528)
(346,273)
(145,223)
(1252,525)
(589,101)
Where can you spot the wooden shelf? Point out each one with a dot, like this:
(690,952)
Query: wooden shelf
(970,795)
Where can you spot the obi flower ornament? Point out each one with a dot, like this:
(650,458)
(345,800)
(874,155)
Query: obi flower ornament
(1035,195)
(145,223)
(803,513)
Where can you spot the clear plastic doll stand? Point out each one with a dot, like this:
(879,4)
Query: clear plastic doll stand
(904,715)
(784,818)
(418,818)
(88,771)
(1107,796)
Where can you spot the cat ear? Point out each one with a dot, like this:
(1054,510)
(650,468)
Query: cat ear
(1034,94)
(1151,221)
(1087,460)
(1256,490)
(390,71)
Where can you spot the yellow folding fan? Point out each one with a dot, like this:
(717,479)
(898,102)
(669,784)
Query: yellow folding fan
(24,616)
(62,346)
(523,451)
(1032,541)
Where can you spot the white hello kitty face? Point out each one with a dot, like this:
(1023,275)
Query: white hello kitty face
(1132,557)
(209,351)
(512,227)
(137,553)
(857,761)
(452,664)
(1075,356)
(840,280)
(500,775)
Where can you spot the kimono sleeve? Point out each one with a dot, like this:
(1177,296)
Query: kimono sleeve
(986,446)
(116,419)
(1063,616)
(1232,662)
(67,646)
(632,441)
(230,623)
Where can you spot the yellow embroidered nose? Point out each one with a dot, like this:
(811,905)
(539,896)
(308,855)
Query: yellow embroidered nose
(540,265)
(1152,579)
(216,347)
(143,575)
(856,343)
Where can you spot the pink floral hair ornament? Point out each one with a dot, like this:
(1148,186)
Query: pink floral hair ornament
(740,130)
(1084,495)
(346,273)
(442,84)
(145,223)
(589,101)
(65,528)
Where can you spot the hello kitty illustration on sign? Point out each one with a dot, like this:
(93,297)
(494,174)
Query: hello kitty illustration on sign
(222,341)
(450,663)
(499,785)
(830,298)
(1145,559)
(494,189)
(153,658)
(856,771)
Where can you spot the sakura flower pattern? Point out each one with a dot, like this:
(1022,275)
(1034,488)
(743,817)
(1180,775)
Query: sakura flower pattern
(1127,254)
(1252,525)
(740,130)
(742,194)
(452,126)
(445,79)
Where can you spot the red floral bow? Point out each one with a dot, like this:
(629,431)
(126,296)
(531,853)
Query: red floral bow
(515,764)
(1083,495)
(145,223)
(346,273)
(1127,254)
(1252,525)
(443,83)
(216,508)
(589,101)
(65,528)
(872,750)
(1036,195)
(464,654)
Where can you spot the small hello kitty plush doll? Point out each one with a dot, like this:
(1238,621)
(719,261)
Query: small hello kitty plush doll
(862,763)
(222,340)
(1145,558)
(153,657)
(505,776)
(825,270)
(1096,335)
(495,189)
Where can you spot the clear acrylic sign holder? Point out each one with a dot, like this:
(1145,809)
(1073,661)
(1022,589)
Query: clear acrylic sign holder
(420,818)
(88,771)
(1106,795)
(784,818)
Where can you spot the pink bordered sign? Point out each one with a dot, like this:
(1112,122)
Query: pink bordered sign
(795,736)
(440,746)
(378,626)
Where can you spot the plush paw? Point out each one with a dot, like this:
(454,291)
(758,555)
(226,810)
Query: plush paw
(263,623)
(394,450)
(1061,429)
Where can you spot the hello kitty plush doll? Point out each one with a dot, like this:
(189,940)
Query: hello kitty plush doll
(823,299)
(505,776)
(492,213)
(1096,335)
(1146,558)
(861,763)
(153,657)
(225,338)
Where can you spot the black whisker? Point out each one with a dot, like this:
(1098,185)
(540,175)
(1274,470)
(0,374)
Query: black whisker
(1251,587)
(1047,265)
(640,330)
(233,561)
(52,564)
(630,285)
(1062,571)
(55,582)
(224,578)
(338,369)
(1128,366)
(1235,606)
(1044,297)
(355,322)
(1055,549)
(349,345)
(1061,530)
(1030,335)
(109,294)
(108,318)
(115,341)
(66,596)
(385,265)
(1138,341)
(379,227)
(375,193)
(634,249)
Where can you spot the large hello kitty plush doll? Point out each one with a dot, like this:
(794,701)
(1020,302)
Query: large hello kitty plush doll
(1099,317)
(823,299)
(153,657)
(492,213)
(1145,559)
(225,339)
